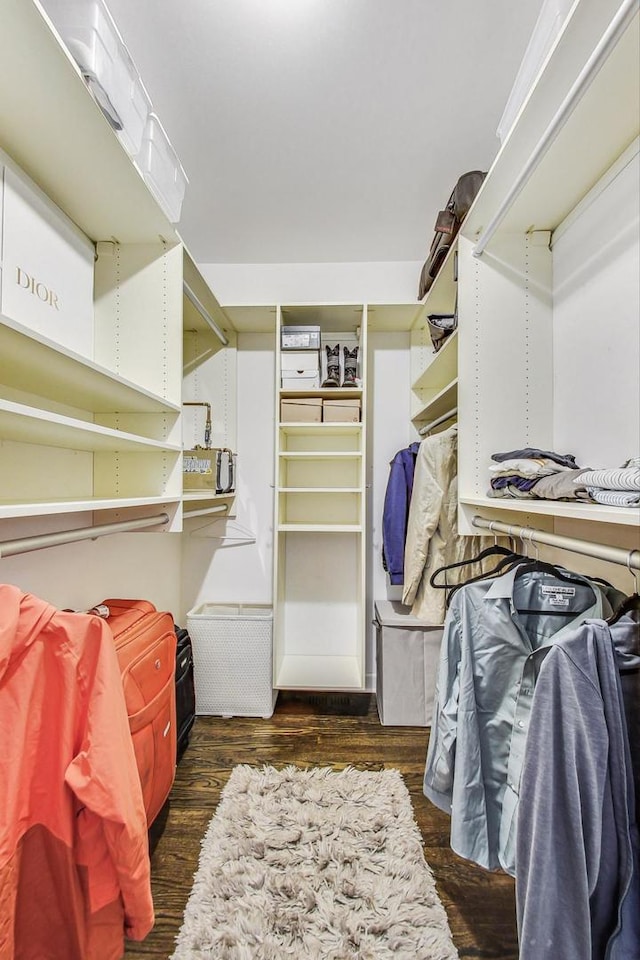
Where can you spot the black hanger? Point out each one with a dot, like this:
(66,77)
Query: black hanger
(494,551)
(628,604)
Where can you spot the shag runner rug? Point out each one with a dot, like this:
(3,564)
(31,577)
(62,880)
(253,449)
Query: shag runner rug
(314,865)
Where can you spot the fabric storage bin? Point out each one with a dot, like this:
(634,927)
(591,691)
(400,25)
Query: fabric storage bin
(161,169)
(46,281)
(232,655)
(407,657)
(92,38)
(301,410)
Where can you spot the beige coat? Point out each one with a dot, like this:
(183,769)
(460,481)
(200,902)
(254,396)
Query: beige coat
(432,537)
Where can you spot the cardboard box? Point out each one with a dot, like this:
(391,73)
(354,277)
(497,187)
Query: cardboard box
(407,658)
(301,410)
(341,411)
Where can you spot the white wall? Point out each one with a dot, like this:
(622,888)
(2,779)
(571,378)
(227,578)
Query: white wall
(220,565)
(264,283)
(390,430)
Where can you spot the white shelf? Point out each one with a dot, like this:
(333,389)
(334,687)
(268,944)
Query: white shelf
(441,298)
(442,369)
(51,127)
(31,362)
(198,496)
(30,425)
(320,455)
(329,393)
(443,401)
(320,528)
(602,125)
(627,516)
(319,490)
(9,510)
(325,429)
(319,673)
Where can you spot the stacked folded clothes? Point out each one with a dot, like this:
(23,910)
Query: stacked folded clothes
(532,473)
(615,487)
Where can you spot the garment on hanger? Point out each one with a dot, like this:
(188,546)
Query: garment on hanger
(578,874)
(395,513)
(74,861)
(432,526)
(497,633)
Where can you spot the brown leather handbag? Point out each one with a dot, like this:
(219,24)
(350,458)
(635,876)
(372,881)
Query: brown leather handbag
(447,225)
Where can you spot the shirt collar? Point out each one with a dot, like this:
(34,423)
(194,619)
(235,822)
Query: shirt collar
(502,588)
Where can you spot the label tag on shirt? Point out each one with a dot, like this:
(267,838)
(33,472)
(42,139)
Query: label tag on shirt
(557,596)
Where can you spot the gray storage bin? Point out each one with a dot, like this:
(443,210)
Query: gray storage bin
(407,655)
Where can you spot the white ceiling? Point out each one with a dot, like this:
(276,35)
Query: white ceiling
(324,130)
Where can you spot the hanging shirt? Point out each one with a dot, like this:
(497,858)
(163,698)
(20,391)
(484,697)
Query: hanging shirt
(74,857)
(432,527)
(578,881)
(396,511)
(489,660)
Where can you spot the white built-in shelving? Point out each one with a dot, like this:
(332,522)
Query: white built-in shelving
(99,434)
(320,524)
(548,349)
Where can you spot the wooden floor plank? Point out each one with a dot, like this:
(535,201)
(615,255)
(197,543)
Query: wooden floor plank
(480,905)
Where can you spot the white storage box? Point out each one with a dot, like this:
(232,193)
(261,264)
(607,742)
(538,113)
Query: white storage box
(548,25)
(46,281)
(300,369)
(161,169)
(300,337)
(232,655)
(407,656)
(90,34)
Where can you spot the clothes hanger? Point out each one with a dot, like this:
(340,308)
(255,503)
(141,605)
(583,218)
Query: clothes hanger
(631,602)
(495,550)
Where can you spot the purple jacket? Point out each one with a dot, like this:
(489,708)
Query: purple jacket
(396,511)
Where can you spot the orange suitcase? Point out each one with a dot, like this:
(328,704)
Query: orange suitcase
(146,648)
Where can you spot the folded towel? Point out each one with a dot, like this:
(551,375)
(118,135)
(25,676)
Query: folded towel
(615,498)
(527,467)
(619,478)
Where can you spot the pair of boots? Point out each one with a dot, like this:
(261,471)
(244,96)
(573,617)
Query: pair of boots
(333,367)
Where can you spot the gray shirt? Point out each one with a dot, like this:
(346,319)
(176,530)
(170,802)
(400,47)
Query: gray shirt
(489,660)
(578,881)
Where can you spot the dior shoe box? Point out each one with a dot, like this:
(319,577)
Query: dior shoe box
(47,265)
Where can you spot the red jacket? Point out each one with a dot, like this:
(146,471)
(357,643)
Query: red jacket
(74,860)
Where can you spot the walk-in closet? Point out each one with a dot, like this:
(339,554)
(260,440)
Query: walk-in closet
(320,480)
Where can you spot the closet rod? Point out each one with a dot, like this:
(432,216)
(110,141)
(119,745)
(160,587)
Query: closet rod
(600,551)
(222,508)
(204,313)
(10,548)
(619,23)
(436,423)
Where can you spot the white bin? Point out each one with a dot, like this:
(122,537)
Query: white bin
(407,656)
(232,655)
(93,40)
(161,169)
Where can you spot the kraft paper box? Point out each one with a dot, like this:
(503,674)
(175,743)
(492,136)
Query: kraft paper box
(301,410)
(341,411)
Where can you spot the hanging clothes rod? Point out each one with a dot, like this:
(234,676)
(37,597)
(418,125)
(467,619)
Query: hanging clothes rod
(436,423)
(618,25)
(221,508)
(600,551)
(204,313)
(10,548)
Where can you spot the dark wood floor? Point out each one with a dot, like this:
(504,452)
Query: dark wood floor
(319,731)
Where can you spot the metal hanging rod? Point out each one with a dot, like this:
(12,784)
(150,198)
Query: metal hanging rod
(204,313)
(436,423)
(10,548)
(600,551)
(618,25)
(221,508)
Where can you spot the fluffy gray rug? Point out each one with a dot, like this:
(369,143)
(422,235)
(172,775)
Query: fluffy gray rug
(314,865)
